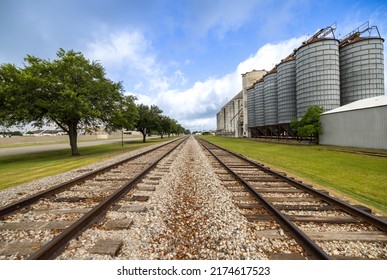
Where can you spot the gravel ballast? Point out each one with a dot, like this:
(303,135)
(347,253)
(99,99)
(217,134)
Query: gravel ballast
(190,216)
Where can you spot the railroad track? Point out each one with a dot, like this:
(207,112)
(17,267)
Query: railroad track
(324,226)
(49,220)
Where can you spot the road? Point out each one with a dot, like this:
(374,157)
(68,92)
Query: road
(51,147)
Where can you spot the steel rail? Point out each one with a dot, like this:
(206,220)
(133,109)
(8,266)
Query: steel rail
(346,207)
(311,248)
(12,207)
(51,249)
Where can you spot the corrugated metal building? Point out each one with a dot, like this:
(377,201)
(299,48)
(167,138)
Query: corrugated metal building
(362,124)
(248,80)
(325,72)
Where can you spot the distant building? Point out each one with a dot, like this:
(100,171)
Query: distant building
(44,132)
(232,118)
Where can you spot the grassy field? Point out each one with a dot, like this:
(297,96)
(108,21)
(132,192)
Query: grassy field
(18,169)
(362,178)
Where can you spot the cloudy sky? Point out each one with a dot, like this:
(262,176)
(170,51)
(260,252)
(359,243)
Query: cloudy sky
(186,57)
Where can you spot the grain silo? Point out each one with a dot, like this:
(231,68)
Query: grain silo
(248,79)
(259,104)
(361,65)
(318,73)
(271,98)
(251,107)
(286,87)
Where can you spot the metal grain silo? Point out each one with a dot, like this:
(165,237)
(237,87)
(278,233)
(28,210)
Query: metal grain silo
(318,75)
(286,87)
(259,103)
(271,98)
(251,107)
(361,69)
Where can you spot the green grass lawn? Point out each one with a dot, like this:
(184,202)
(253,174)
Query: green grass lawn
(363,178)
(18,169)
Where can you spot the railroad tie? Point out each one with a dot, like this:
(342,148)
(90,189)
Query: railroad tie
(106,247)
(20,248)
(133,208)
(119,224)
(141,198)
(147,188)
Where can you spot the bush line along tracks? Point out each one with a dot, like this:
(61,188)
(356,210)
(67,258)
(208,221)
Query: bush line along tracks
(298,203)
(134,169)
(293,208)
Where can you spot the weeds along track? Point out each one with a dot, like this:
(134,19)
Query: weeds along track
(325,227)
(47,221)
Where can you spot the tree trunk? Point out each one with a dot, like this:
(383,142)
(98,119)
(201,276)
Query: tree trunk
(73,135)
(143,135)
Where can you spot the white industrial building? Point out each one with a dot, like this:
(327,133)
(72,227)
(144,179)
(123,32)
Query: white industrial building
(232,117)
(362,124)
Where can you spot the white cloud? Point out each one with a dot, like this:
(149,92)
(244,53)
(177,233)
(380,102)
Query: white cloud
(121,48)
(269,55)
(142,98)
(129,56)
(196,107)
(199,124)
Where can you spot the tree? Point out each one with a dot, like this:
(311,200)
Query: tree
(148,119)
(70,91)
(126,116)
(309,125)
(178,129)
(169,126)
(165,126)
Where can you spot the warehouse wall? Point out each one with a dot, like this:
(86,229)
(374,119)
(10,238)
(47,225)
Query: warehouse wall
(363,128)
(230,117)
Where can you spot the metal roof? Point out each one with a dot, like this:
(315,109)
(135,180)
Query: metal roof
(371,102)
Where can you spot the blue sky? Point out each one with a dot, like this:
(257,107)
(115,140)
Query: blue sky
(186,57)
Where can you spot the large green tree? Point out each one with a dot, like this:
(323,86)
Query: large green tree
(149,118)
(309,125)
(70,91)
